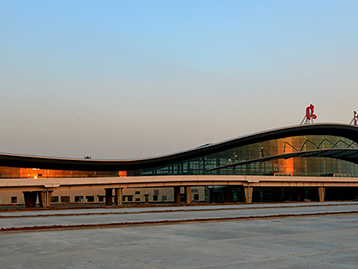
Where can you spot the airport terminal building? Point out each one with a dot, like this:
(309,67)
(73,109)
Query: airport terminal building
(313,152)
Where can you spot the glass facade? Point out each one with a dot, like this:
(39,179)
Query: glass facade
(297,166)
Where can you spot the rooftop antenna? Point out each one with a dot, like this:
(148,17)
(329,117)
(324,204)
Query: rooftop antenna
(310,116)
(354,121)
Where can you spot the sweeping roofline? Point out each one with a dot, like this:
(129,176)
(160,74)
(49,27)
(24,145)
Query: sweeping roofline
(13,160)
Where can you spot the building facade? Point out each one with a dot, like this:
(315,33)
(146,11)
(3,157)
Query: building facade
(312,150)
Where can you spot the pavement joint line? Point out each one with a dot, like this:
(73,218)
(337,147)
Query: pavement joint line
(164,211)
(166,222)
(83,207)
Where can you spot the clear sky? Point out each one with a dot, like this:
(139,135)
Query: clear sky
(126,79)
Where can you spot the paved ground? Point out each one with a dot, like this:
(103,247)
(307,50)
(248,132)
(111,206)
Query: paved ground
(169,213)
(166,208)
(315,242)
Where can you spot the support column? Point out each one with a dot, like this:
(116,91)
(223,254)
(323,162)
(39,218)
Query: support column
(109,196)
(30,198)
(49,197)
(118,196)
(43,198)
(177,195)
(248,194)
(321,193)
(188,195)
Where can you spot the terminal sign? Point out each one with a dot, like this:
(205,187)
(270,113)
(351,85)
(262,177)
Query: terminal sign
(310,112)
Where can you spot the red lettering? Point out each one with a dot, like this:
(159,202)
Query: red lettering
(310,112)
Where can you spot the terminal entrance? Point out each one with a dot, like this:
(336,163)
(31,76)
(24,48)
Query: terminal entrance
(272,194)
(277,194)
(341,193)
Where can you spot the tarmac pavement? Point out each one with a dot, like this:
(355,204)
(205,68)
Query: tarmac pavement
(305,242)
(172,214)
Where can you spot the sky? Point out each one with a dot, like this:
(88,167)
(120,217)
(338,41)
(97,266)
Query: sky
(132,79)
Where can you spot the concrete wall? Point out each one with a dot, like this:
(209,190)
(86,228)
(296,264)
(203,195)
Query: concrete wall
(154,195)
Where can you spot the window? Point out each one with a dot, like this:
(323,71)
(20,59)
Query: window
(164,198)
(101,198)
(137,199)
(78,199)
(196,196)
(156,192)
(90,198)
(130,198)
(65,199)
(123,198)
(137,192)
(194,190)
(155,197)
(14,199)
(54,199)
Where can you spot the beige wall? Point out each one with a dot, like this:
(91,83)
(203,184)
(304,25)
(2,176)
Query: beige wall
(138,195)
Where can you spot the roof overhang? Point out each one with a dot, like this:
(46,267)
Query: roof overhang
(13,160)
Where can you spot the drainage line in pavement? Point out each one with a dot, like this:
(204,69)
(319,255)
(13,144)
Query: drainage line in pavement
(160,211)
(166,222)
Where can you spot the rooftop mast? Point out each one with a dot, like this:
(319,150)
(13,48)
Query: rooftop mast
(354,121)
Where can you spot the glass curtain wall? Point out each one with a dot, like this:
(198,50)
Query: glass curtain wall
(299,166)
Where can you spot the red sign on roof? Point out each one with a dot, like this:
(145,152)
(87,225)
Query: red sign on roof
(310,112)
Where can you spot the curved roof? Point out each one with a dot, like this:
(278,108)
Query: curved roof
(12,160)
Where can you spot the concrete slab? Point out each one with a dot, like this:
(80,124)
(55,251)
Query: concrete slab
(162,216)
(319,242)
(167,208)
